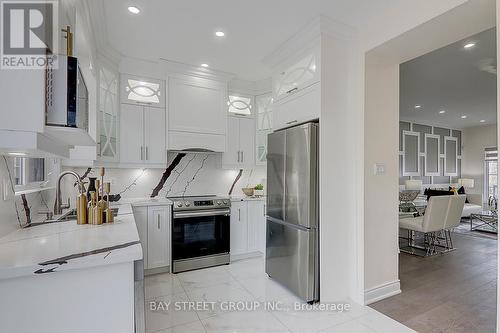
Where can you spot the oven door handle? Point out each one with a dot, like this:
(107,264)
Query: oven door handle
(215,212)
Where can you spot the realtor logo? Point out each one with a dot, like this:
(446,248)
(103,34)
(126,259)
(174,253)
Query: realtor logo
(29,36)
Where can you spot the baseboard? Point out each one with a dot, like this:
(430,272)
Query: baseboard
(159,270)
(378,293)
(236,257)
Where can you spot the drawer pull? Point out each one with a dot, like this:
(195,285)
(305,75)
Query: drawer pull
(292,90)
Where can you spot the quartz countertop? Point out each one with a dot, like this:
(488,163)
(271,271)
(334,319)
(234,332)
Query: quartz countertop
(60,246)
(145,202)
(246,198)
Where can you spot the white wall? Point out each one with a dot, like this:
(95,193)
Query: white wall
(381,139)
(474,140)
(381,191)
(340,164)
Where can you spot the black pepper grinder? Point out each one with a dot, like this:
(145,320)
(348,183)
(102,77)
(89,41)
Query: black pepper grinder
(91,187)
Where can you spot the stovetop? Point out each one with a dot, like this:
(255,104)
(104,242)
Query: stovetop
(200,202)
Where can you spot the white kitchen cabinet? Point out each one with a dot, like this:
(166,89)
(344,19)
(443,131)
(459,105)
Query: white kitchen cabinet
(141,221)
(154,228)
(197,114)
(240,143)
(247,228)
(297,74)
(131,133)
(256,225)
(154,135)
(142,134)
(303,106)
(239,228)
(158,236)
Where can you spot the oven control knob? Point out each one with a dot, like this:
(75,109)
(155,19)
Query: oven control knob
(187,204)
(226,202)
(179,204)
(219,202)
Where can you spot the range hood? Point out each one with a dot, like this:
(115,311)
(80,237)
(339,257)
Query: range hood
(198,143)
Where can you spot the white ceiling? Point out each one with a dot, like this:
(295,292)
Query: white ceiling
(183,30)
(453,79)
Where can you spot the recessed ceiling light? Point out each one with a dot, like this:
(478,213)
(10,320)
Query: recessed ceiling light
(442,111)
(134,10)
(204,65)
(482,121)
(463,117)
(418,106)
(17,154)
(469,45)
(220,33)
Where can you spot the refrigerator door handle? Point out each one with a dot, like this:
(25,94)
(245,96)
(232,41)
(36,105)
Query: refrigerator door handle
(291,225)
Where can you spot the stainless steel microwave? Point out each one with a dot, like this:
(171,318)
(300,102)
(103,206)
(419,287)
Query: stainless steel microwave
(66,95)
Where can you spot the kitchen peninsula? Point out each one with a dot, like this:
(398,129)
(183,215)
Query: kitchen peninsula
(62,275)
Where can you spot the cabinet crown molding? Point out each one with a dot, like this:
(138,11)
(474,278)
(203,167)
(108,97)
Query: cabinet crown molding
(307,36)
(174,67)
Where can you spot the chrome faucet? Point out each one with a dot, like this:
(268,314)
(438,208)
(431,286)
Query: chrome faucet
(58,206)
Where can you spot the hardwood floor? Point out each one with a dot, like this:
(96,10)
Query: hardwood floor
(451,293)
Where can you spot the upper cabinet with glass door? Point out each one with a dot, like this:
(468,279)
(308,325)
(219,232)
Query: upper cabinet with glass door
(145,91)
(264,126)
(108,114)
(239,105)
(297,75)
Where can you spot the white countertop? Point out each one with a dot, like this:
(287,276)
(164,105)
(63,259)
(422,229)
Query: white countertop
(145,202)
(47,249)
(246,198)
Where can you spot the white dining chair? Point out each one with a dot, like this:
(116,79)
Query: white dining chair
(431,223)
(456,206)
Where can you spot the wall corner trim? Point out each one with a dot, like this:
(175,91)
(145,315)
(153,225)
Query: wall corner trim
(382,291)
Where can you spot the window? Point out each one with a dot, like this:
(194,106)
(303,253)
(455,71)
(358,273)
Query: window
(491,173)
(240,105)
(28,172)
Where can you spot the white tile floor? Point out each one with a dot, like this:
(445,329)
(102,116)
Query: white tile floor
(246,281)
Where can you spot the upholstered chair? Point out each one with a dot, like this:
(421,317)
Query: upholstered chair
(432,223)
(456,206)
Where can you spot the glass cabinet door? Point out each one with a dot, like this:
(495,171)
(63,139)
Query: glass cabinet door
(108,113)
(299,75)
(264,126)
(140,90)
(239,105)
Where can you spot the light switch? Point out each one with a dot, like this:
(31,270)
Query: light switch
(379,169)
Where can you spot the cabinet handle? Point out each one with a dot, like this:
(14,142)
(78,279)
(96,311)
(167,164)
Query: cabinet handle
(291,122)
(158,218)
(142,153)
(239,214)
(147,153)
(242,158)
(292,90)
(264,210)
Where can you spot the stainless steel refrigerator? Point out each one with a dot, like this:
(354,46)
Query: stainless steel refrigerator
(292,227)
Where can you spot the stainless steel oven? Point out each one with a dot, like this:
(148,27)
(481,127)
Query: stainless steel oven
(200,232)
